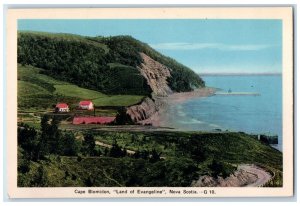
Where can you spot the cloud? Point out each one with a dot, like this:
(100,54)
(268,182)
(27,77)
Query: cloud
(200,46)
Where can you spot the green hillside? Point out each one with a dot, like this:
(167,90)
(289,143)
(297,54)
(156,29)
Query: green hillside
(37,90)
(104,64)
(160,159)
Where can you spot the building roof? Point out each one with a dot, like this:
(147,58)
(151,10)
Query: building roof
(93,120)
(61,105)
(85,102)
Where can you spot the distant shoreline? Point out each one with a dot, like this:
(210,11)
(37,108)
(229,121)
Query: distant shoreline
(240,74)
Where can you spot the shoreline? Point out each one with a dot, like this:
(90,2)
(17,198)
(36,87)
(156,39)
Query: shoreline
(181,97)
(158,119)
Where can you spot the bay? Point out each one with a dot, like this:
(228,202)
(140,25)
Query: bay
(260,114)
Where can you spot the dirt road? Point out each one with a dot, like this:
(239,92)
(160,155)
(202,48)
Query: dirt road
(262,176)
(246,175)
(110,146)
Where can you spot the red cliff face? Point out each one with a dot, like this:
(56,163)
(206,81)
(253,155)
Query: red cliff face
(156,75)
(142,111)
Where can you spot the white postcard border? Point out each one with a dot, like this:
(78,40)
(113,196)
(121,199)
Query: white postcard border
(283,13)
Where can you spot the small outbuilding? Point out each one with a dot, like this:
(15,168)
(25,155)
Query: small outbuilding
(86,104)
(62,107)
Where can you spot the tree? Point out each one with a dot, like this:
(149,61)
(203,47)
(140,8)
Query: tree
(44,123)
(197,153)
(40,178)
(116,151)
(122,117)
(23,162)
(50,136)
(221,169)
(106,151)
(28,140)
(154,156)
(137,154)
(89,182)
(68,145)
(89,144)
(55,136)
(216,168)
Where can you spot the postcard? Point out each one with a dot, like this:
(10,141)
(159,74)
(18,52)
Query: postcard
(149,102)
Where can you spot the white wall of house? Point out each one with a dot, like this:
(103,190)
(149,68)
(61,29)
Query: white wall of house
(89,107)
(63,109)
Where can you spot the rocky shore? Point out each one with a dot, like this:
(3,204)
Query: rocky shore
(151,111)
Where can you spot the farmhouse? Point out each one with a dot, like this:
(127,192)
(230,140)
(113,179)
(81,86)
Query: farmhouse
(93,120)
(62,107)
(86,104)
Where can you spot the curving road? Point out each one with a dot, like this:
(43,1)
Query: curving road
(262,176)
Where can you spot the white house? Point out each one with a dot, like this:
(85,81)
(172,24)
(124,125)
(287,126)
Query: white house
(86,104)
(62,107)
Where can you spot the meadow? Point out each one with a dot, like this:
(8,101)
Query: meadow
(39,93)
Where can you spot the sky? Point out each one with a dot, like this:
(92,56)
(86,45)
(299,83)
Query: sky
(204,45)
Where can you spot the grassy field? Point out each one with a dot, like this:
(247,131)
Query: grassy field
(29,89)
(32,74)
(41,91)
(75,91)
(98,98)
(118,100)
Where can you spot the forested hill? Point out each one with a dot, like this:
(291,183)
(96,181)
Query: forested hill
(106,64)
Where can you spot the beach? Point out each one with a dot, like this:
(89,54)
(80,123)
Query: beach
(158,119)
(178,98)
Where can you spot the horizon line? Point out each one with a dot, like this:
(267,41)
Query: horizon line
(238,73)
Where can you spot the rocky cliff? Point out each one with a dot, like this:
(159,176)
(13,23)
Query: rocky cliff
(245,175)
(156,75)
(143,110)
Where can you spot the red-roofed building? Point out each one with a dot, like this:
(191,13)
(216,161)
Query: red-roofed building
(86,104)
(62,107)
(93,120)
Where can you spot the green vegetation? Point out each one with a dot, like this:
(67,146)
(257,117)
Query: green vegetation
(118,100)
(126,50)
(38,94)
(229,147)
(75,91)
(105,64)
(36,90)
(155,159)
(69,68)
(99,99)
(30,89)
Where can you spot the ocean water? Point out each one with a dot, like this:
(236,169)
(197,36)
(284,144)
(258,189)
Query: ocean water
(252,114)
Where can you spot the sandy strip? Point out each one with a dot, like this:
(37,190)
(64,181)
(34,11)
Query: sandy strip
(178,98)
(158,118)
